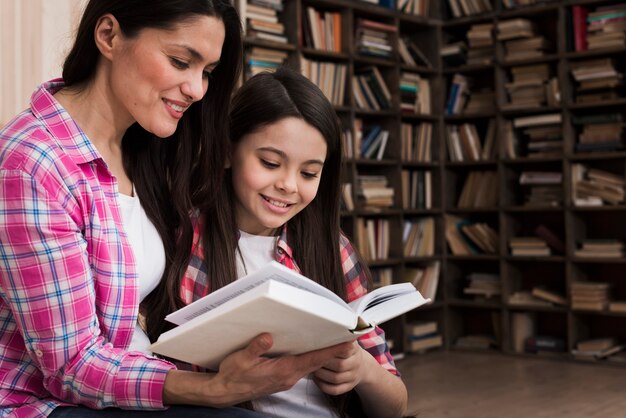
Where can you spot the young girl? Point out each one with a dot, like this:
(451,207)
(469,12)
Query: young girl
(281,202)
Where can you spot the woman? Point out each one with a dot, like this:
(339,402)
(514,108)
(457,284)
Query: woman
(98,177)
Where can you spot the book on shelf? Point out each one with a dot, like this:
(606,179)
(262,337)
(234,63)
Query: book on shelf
(591,296)
(540,343)
(479,190)
(549,295)
(416,142)
(411,53)
(300,314)
(460,8)
(423,343)
(551,238)
(522,328)
(476,342)
(526,298)
(414,7)
(617,306)
(483,285)
(425,279)
(418,237)
(420,328)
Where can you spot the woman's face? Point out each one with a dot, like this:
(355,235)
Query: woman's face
(158,74)
(276,173)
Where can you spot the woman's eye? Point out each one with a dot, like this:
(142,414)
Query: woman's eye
(269,164)
(181,65)
(309,175)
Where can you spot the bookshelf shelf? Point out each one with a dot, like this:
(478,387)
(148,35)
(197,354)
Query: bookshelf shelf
(459,314)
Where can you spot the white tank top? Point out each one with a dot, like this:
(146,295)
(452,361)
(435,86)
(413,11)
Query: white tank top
(149,254)
(304,399)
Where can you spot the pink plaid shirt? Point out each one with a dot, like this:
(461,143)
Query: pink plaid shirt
(68,297)
(195,285)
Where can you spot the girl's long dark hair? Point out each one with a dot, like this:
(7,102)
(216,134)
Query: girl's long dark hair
(176,174)
(315,232)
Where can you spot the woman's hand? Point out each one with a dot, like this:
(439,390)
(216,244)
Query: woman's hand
(247,374)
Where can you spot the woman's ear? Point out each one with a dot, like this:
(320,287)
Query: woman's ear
(105,34)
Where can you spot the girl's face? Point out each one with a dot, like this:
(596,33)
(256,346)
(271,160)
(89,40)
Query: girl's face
(276,172)
(158,74)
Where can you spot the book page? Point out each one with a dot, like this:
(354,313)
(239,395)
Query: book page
(272,271)
(387,302)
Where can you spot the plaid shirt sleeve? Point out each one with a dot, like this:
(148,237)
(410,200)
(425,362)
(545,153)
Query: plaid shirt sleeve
(356,285)
(52,335)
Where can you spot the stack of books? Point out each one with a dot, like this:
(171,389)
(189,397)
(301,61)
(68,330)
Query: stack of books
(416,142)
(590,296)
(606,27)
(520,39)
(425,279)
(414,94)
(262,20)
(418,237)
(529,246)
(617,306)
(421,336)
(263,59)
(374,191)
(532,86)
(543,188)
(600,132)
(481,101)
(374,38)
(595,187)
(600,248)
(597,80)
(543,134)
(481,45)
(483,285)
(596,348)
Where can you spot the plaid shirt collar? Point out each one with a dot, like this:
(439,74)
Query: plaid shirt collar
(60,124)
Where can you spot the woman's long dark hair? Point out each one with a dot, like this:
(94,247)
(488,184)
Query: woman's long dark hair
(315,232)
(173,175)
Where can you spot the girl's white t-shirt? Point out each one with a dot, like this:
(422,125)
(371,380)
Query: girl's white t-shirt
(304,399)
(149,257)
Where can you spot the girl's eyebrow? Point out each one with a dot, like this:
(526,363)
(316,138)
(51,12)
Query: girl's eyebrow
(283,155)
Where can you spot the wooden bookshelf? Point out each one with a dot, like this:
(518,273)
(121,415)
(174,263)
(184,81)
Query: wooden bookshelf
(512,88)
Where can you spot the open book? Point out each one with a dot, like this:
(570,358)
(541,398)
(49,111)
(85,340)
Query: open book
(300,314)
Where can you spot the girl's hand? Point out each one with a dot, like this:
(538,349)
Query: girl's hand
(344,372)
(246,374)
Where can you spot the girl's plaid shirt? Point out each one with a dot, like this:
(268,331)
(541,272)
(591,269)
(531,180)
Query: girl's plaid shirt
(195,285)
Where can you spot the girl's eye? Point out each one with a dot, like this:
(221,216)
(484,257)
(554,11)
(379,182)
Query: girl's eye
(181,65)
(309,175)
(269,164)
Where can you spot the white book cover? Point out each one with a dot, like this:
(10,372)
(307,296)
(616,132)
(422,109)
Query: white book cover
(300,314)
